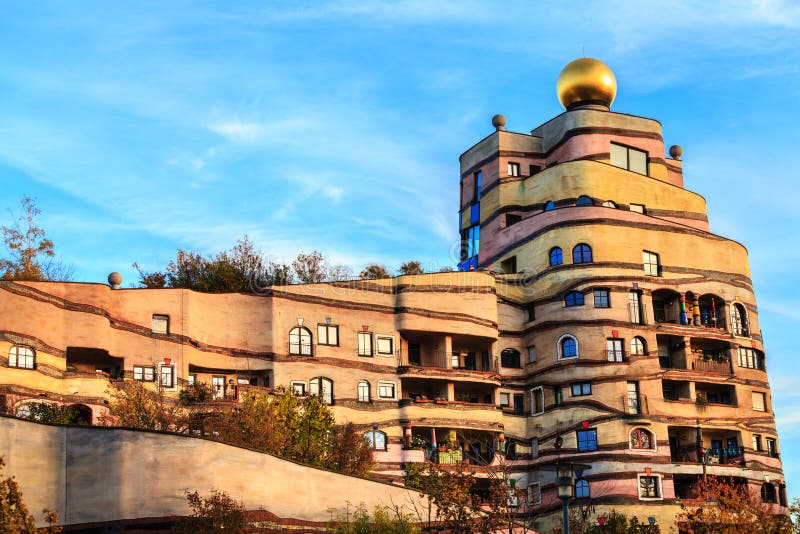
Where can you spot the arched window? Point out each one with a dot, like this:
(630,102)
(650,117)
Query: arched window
(582,489)
(556,256)
(582,253)
(567,347)
(510,358)
(573,298)
(377,439)
(363,391)
(583,200)
(549,205)
(638,346)
(322,386)
(22,357)
(609,204)
(739,320)
(641,439)
(300,341)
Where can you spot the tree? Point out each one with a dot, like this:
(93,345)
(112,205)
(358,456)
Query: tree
(310,268)
(411,267)
(216,513)
(383,519)
(14,515)
(794,510)
(373,272)
(50,412)
(133,405)
(724,507)
(31,254)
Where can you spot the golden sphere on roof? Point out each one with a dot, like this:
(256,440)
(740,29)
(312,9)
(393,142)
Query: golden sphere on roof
(586,80)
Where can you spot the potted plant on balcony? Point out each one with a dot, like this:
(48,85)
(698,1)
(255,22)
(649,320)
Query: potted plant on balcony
(702,400)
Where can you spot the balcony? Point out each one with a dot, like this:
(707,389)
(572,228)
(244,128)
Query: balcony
(457,361)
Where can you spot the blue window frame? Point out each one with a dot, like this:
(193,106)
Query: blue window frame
(549,205)
(573,298)
(556,256)
(582,253)
(475,213)
(587,440)
(582,489)
(569,347)
(478,185)
(583,200)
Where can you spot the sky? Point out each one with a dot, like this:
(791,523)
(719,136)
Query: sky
(337,126)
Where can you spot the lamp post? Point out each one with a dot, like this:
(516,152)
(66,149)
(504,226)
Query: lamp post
(565,485)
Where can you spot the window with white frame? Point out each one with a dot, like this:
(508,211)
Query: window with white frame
(739,320)
(649,487)
(628,158)
(192,379)
(167,376)
(652,263)
(160,324)
(567,347)
(322,386)
(751,359)
(537,400)
(146,373)
(513,168)
(299,388)
(386,390)
(21,357)
(365,344)
(505,400)
(614,349)
(328,334)
(377,439)
(535,493)
(384,345)
(641,438)
(638,346)
(363,391)
(300,341)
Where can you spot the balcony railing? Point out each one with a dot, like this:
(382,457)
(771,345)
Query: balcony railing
(727,455)
(723,367)
(450,360)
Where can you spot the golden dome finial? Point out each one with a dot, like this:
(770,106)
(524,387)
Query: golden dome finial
(586,80)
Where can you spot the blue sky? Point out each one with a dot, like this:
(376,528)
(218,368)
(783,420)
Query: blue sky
(337,126)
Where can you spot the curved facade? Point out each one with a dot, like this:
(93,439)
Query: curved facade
(596,320)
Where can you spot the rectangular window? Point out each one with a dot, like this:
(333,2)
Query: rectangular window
(601,299)
(582,388)
(510,358)
(558,395)
(476,194)
(757,443)
(144,373)
(628,158)
(649,487)
(633,398)
(513,169)
(652,265)
(475,214)
(505,400)
(21,357)
(384,345)
(160,324)
(637,208)
(299,388)
(364,344)
(192,378)
(534,169)
(534,493)
(587,440)
(327,334)
(614,349)
(386,390)
(751,359)
(772,447)
(531,309)
(534,448)
(531,354)
(635,307)
(471,245)
(509,266)
(537,401)
(759,401)
(519,403)
(167,376)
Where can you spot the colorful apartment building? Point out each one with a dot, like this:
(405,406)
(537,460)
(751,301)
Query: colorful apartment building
(594,319)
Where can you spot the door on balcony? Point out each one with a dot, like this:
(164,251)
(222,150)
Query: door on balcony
(414,354)
(633,398)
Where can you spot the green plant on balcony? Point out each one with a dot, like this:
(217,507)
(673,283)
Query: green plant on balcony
(701,400)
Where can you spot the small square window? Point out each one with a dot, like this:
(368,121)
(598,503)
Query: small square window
(638,208)
(160,324)
(513,169)
(328,334)
(144,373)
(601,299)
(299,388)
(649,487)
(192,379)
(505,400)
(587,440)
(384,345)
(581,389)
(652,263)
(364,344)
(759,401)
(21,357)
(386,390)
